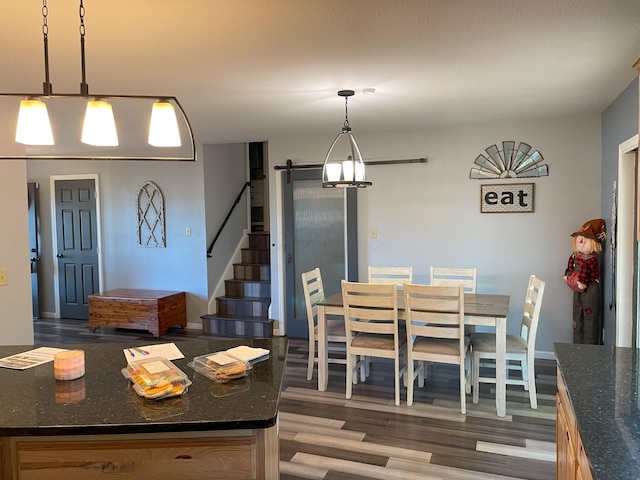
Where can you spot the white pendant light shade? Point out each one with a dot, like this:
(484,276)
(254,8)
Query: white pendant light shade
(33,126)
(163,128)
(99,127)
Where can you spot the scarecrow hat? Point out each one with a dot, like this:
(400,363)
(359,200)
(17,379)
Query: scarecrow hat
(595,229)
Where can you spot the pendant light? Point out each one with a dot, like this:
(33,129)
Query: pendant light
(99,127)
(343,165)
(34,127)
(169,135)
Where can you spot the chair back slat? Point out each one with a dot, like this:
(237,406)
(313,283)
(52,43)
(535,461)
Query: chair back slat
(397,275)
(443,276)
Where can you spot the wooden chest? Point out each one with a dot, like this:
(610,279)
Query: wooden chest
(152,310)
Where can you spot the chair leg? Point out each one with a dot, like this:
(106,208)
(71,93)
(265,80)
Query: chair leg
(397,376)
(525,373)
(468,359)
(476,376)
(349,374)
(421,367)
(312,356)
(463,393)
(531,380)
(409,382)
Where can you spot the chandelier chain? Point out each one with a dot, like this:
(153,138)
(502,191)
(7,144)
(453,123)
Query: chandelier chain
(45,13)
(84,87)
(81,12)
(346,112)
(46,86)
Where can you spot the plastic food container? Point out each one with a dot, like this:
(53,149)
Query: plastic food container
(156,378)
(220,366)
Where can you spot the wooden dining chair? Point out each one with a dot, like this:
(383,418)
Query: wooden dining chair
(371,321)
(467,277)
(314,293)
(434,317)
(520,348)
(397,275)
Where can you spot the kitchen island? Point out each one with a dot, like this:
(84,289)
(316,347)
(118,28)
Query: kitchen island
(97,426)
(599,419)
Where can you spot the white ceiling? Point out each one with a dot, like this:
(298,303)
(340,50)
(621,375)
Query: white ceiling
(258,69)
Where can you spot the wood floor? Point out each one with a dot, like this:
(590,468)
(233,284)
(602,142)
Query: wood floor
(324,436)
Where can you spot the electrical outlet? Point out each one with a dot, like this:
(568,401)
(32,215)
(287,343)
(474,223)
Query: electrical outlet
(4,280)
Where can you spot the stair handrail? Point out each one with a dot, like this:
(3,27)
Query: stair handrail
(237,200)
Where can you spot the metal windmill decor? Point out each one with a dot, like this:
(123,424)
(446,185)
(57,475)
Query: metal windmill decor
(151,221)
(510,162)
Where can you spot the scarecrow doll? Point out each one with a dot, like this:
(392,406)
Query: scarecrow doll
(583,277)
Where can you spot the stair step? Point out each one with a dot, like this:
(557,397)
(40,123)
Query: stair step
(255,255)
(251,271)
(237,326)
(259,240)
(247,288)
(243,306)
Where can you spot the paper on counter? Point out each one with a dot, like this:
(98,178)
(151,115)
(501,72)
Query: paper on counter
(166,350)
(31,358)
(248,354)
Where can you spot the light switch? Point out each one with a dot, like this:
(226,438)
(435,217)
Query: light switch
(374,232)
(188,231)
(4,279)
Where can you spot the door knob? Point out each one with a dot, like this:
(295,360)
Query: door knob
(59,255)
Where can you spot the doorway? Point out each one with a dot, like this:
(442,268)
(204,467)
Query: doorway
(34,245)
(626,246)
(76,234)
(320,230)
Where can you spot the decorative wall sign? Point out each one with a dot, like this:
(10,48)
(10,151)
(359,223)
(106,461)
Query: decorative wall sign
(506,198)
(510,162)
(151,227)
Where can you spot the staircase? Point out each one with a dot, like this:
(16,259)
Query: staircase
(243,311)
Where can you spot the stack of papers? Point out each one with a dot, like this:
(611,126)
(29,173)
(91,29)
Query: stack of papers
(165,350)
(248,354)
(31,358)
(241,353)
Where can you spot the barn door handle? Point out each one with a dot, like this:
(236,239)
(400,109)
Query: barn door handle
(289,258)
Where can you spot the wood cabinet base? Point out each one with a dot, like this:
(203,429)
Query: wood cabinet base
(247,454)
(152,310)
(571,461)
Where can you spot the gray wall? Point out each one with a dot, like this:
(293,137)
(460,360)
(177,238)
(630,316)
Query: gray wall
(619,123)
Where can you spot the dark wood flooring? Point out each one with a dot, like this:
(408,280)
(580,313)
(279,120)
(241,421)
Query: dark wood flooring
(325,436)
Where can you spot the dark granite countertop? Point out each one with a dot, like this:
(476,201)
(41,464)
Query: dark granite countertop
(32,402)
(603,383)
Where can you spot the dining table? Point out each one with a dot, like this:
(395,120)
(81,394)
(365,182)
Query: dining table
(480,309)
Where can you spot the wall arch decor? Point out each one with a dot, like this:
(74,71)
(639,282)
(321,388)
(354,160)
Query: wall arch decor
(510,162)
(151,221)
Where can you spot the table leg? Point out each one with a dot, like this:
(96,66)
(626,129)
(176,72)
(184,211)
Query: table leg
(501,366)
(322,350)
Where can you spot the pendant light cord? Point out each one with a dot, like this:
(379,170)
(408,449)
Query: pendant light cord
(84,87)
(46,86)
